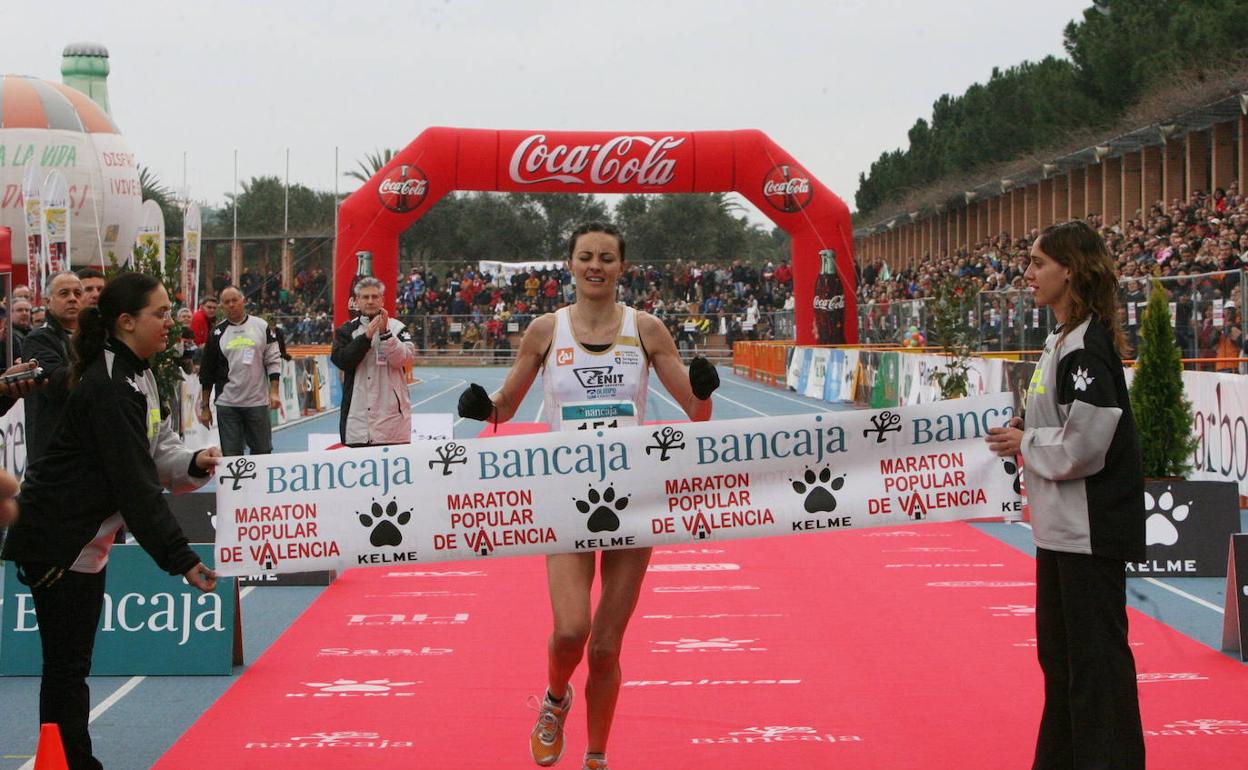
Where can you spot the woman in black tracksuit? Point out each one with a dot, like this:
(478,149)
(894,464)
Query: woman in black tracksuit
(1085,483)
(107,464)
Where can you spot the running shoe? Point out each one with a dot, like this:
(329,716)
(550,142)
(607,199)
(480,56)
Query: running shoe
(546,740)
(594,764)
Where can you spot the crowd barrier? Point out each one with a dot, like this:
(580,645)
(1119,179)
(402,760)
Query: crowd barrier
(898,377)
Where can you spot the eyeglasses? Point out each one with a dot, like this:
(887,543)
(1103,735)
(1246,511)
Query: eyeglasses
(163,315)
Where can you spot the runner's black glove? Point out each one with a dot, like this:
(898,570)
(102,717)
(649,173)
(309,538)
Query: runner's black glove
(702,378)
(475,403)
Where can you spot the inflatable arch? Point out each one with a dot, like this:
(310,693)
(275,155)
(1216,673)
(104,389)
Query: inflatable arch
(747,162)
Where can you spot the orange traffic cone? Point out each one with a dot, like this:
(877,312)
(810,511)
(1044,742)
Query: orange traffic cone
(51,752)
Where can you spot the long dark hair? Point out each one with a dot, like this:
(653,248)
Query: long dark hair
(1093,282)
(126,294)
(595,227)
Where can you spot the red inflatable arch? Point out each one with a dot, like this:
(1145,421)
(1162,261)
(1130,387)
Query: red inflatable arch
(747,162)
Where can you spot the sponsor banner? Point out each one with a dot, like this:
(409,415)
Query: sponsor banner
(13,439)
(799,369)
(152,623)
(1220,423)
(425,427)
(835,373)
(580,162)
(1235,618)
(36,258)
(191,232)
(589,490)
(196,514)
(818,373)
(503,271)
(1186,527)
(151,231)
(55,222)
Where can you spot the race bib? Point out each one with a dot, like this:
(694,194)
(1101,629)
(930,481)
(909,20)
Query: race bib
(592,415)
(249,356)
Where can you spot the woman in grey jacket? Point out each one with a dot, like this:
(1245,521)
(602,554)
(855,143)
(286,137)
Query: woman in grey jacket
(1085,483)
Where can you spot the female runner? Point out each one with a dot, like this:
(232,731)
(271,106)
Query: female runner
(595,332)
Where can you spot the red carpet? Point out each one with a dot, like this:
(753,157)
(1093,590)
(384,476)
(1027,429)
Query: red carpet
(884,649)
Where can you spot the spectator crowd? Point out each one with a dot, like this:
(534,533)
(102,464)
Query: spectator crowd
(1197,247)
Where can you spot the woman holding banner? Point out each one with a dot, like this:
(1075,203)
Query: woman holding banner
(579,339)
(1085,482)
(107,464)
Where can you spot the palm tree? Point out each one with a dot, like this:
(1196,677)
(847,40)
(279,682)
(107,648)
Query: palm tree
(370,165)
(153,188)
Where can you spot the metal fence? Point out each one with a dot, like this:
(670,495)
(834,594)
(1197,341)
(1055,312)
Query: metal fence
(1205,309)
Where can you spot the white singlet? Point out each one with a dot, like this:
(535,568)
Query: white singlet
(583,390)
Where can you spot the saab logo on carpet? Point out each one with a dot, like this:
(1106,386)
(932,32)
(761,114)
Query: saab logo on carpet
(389,652)
(717,644)
(693,568)
(356,688)
(778,734)
(343,739)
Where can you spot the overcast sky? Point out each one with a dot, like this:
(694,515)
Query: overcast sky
(834,83)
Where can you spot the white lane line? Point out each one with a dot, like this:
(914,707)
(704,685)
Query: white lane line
(656,392)
(119,693)
(772,393)
(722,397)
(440,392)
(541,406)
(1185,595)
(1167,586)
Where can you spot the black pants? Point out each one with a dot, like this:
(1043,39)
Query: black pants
(68,612)
(1091,708)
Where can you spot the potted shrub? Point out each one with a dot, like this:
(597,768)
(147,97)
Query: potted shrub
(1186,522)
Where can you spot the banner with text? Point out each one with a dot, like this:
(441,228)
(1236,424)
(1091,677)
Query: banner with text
(622,488)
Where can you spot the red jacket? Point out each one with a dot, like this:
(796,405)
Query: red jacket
(201,324)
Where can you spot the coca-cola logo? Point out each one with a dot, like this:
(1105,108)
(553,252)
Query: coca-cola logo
(403,189)
(639,160)
(787,187)
(835,302)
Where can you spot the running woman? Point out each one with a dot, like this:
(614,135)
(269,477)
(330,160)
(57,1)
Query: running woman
(593,332)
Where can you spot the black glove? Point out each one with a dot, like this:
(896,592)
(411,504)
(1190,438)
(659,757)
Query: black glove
(475,403)
(702,378)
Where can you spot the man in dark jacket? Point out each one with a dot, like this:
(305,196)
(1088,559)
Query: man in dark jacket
(49,346)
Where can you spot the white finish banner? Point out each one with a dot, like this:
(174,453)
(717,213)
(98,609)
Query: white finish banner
(623,488)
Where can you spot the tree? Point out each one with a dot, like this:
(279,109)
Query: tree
(953,300)
(1163,415)
(261,208)
(370,165)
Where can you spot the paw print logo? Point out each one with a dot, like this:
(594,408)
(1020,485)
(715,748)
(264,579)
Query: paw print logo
(1011,469)
(1162,513)
(604,517)
(818,490)
(355,685)
(383,522)
(1082,379)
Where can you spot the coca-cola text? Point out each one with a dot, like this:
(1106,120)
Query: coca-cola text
(613,161)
